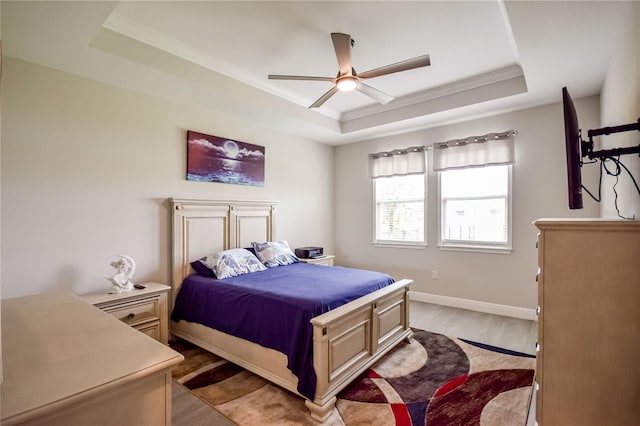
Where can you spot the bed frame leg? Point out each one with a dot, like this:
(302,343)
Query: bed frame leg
(321,412)
(409,338)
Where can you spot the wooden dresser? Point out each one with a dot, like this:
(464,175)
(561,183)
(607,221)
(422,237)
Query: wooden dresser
(588,366)
(67,362)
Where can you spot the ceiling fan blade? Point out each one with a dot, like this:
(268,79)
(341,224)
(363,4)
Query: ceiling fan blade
(324,98)
(374,94)
(409,64)
(342,46)
(300,77)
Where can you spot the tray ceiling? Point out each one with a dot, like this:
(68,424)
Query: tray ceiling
(486,57)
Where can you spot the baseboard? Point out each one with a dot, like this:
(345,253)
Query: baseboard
(475,305)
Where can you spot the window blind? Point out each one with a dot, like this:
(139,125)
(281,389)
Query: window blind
(474,151)
(400,162)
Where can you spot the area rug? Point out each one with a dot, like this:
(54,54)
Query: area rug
(434,381)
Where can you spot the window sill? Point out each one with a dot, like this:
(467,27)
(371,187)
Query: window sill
(419,246)
(476,249)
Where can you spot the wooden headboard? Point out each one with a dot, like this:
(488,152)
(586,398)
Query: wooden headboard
(202,227)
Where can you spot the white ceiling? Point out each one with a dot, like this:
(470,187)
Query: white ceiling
(487,57)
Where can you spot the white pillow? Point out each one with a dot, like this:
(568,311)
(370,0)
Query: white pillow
(231,263)
(275,253)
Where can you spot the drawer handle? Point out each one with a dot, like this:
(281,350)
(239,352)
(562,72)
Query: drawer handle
(131,316)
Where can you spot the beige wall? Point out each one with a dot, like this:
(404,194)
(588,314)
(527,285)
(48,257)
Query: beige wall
(539,190)
(87,169)
(620,104)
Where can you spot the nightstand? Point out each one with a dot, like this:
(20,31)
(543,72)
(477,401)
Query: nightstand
(324,260)
(143,309)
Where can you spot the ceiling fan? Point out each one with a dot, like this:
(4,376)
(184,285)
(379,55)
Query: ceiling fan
(347,78)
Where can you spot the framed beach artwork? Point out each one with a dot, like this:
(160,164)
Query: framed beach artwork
(216,159)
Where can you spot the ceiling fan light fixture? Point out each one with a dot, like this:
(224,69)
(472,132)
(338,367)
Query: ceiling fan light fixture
(347,84)
(347,80)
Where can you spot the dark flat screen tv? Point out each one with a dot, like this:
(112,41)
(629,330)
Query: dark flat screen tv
(573,143)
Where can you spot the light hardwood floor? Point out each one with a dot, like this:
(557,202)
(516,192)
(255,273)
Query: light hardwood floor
(505,332)
(189,410)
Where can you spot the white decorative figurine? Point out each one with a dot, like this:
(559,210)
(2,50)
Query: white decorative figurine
(121,280)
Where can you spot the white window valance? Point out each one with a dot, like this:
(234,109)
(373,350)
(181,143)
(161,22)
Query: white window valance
(474,151)
(399,162)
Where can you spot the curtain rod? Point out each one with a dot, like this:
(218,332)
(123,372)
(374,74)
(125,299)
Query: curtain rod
(447,144)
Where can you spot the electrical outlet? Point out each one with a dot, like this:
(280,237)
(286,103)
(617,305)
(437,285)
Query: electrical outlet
(434,274)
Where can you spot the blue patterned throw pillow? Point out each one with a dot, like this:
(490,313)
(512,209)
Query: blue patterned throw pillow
(274,253)
(228,263)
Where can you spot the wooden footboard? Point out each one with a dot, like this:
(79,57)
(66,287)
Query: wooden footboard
(349,339)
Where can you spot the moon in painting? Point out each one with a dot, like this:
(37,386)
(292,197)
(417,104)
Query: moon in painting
(231,149)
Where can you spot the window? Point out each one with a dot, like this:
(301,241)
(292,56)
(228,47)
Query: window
(399,210)
(475,207)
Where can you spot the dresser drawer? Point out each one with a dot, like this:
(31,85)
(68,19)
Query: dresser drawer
(138,312)
(150,329)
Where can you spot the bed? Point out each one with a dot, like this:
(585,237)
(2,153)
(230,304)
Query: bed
(345,341)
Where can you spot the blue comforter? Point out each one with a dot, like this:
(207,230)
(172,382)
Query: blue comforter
(274,307)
